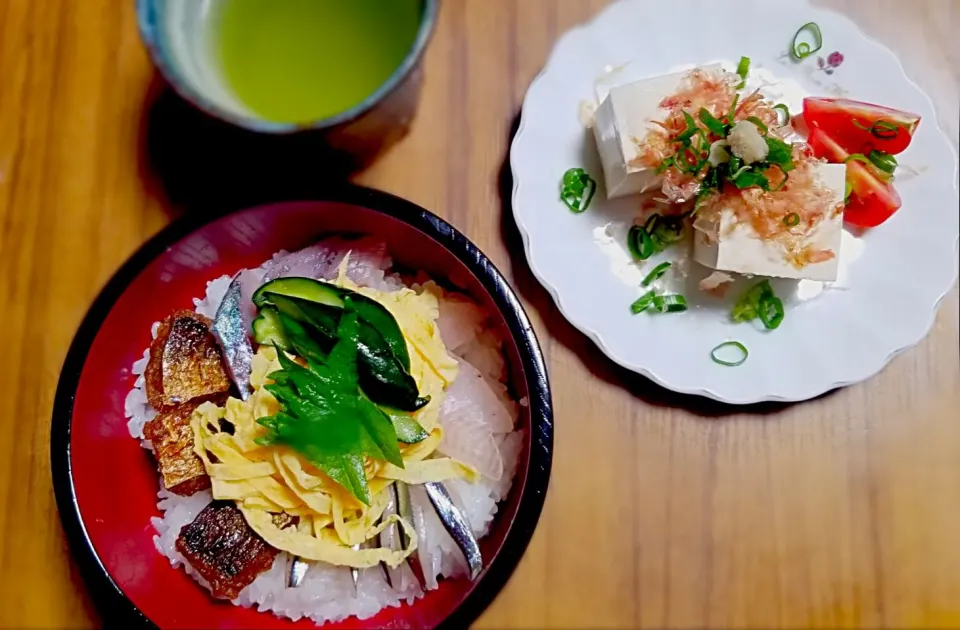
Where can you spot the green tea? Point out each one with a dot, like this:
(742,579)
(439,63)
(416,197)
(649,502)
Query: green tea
(296,61)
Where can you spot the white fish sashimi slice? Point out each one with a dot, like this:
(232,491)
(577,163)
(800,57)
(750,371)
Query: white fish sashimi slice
(472,415)
(472,443)
(368,260)
(460,321)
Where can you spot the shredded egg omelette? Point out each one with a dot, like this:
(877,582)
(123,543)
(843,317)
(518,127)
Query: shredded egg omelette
(267,482)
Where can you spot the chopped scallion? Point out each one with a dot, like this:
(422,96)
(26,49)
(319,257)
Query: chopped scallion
(791,219)
(657,272)
(742,69)
(759,123)
(577,189)
(670,303)
(883,160)
(801,49)
(786,113)
(643,302)
(717,358)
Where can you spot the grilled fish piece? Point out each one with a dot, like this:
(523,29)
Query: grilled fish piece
(224,550)
(172,439)
(185,363)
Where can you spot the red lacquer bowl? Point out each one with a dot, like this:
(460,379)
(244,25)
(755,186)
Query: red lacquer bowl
(106,484)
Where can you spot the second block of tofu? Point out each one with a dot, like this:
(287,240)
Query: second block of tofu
(621,123)
(732,246)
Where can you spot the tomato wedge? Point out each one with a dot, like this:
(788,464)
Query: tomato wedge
(860,127)
(871,201)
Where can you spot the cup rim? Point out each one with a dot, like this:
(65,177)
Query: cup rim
(153,39)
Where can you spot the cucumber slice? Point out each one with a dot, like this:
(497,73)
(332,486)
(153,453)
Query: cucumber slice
(370,312)
(268,330)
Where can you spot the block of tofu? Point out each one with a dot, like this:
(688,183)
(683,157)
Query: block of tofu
(172,440)
(622,121)
(185,363)
(731,246)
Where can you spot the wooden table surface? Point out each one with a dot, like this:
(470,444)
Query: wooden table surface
(664,510)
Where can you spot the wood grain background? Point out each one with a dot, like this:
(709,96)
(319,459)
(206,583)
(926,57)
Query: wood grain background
(664,510)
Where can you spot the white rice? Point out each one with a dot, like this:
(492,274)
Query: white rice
(483,403)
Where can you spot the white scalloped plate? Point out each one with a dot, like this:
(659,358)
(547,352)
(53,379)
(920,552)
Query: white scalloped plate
(893,277)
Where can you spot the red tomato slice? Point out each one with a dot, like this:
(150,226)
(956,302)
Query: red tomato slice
(871,201)
(850,123)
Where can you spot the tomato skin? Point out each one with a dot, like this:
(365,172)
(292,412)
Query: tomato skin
(871,201)
(837,116)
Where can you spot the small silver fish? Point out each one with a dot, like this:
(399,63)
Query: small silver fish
(390,538)
(231,333)
(355,572)
(405,510)
(456,525)
(298,569)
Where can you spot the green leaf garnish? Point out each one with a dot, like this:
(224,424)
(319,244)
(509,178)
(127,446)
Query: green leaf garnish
(742,69)
(779,153)
(577,189)
(759,301)
(327,418)
(801,49)
(747,178)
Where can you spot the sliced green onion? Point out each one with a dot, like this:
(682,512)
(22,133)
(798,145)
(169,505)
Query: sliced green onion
(664,165)
(759,123)
(801,49)
(882,129)
(670,303)
(783,182)
(847,191)
(770,311)
(883,160)
(633,239)
(885,130)
(641,303)
(733,107)
(786,113)
(857,157)
(759,301)
(658,271)
(714,354)
(640,244)
(791,219)
(691,127)
(668,229)
(651,223)
(712,122)
(742,69)
(577,189)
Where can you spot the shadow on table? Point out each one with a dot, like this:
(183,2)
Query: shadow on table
(565,333)
(194,162)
